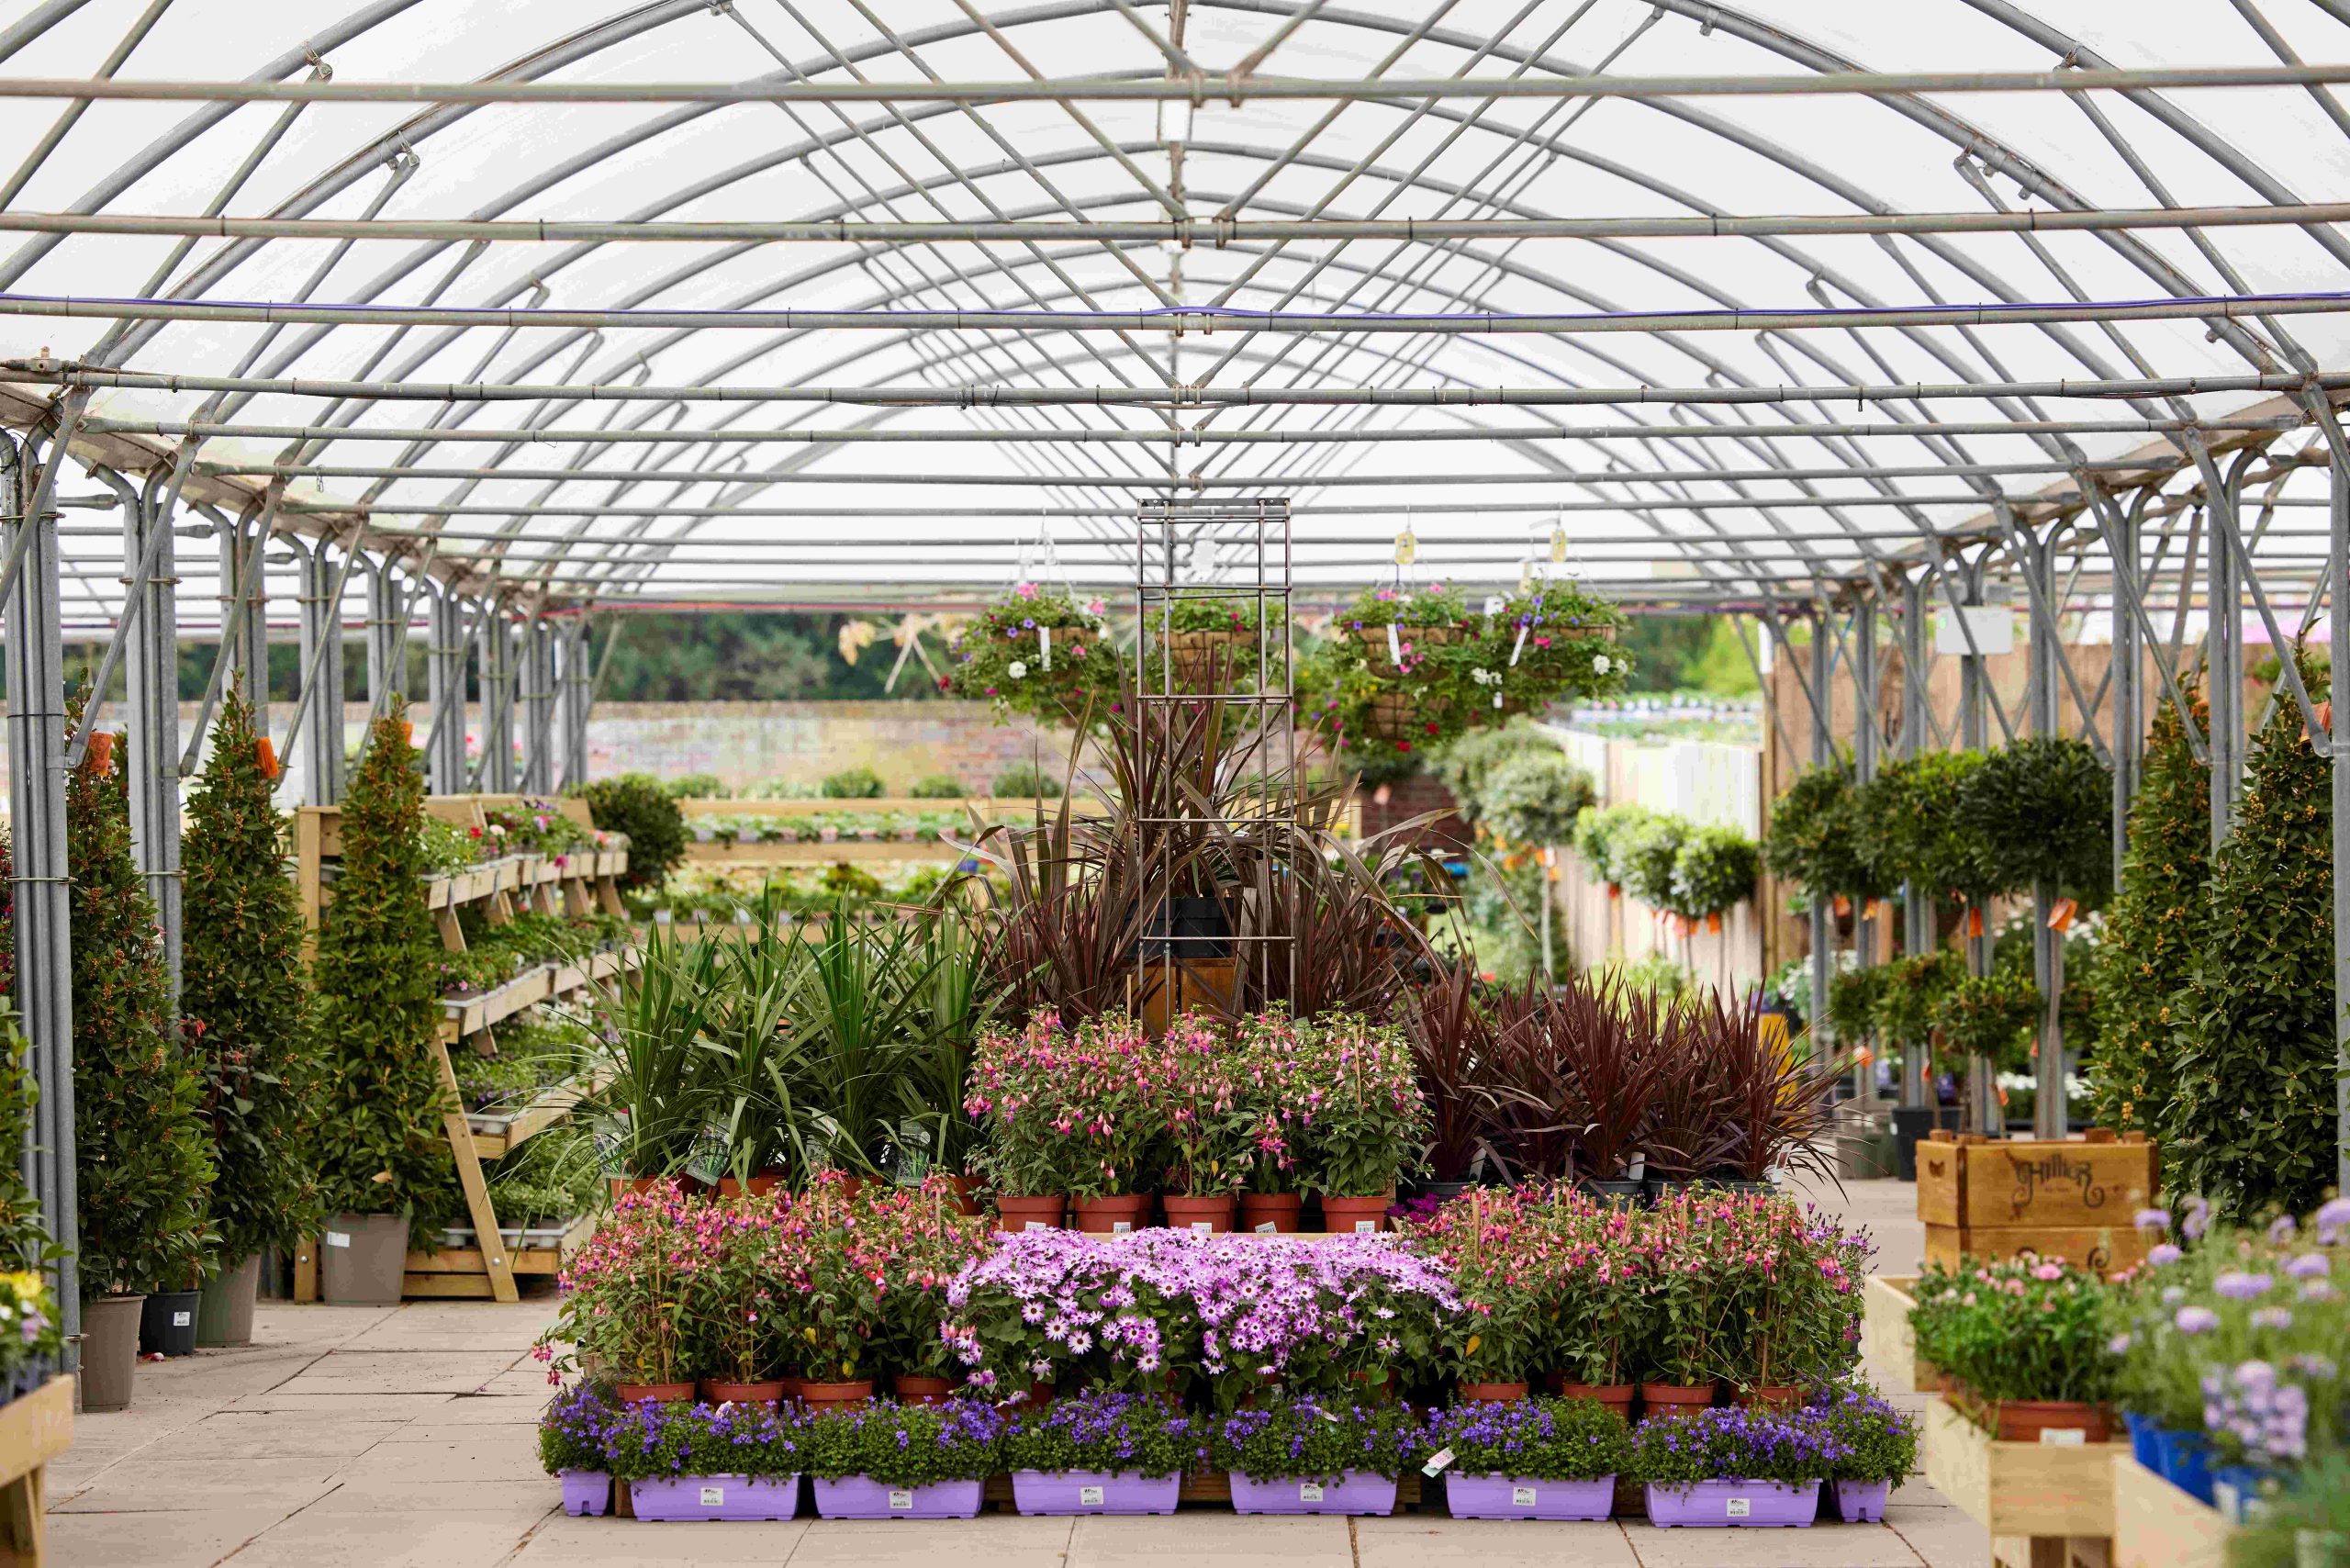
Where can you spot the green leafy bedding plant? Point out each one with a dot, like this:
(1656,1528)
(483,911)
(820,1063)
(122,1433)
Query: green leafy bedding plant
(636,806)
(652,1443)
(2019,1329)
(906,1445)
(1104,1432)
(1875,1440)
(1314,1440)
(1735,1444)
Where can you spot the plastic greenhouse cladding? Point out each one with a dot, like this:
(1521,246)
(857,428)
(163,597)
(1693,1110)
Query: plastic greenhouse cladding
(1276,413)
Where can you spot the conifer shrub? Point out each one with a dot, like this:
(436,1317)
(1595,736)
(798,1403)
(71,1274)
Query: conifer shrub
(142,1156)
(383,1148)
(243,990)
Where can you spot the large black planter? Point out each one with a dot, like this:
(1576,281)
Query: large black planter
(1189,928)
(1911,1123)
(1616,1194)
(167,1323)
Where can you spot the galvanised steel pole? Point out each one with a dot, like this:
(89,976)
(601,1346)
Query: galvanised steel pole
(536,640)
(2048,1110)
(37,810)
(2223,675)
(1823,908)
(152,680)
(1865,750)
(2129,719)
(1917,903)
(577,694)
(444,689)
(2341,497)
(321,652)
(496,774)
(1973,689)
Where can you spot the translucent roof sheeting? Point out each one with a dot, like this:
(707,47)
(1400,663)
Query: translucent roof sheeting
(675,439)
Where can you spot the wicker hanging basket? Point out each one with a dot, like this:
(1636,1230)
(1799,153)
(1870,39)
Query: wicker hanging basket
(1204,660)
(1422,638)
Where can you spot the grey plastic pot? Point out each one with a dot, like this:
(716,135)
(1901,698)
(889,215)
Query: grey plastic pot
(225,1314)
(109,1351)
(360,1259)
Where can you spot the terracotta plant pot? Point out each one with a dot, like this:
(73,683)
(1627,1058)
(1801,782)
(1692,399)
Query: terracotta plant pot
(1616,1396)
(717,1393)
(1492,1392)
(2022,1420)
(758,1186)
(912,1390)
(1674,1401)
(1201,1216)
(1039,1394)
(109,1349)
(1014,1215)
(1770,1396)
(653,1393)
(1270,1214)
(836,1395)
(1354,1216)
(622,1185)
(966,1194)
(1113,1215)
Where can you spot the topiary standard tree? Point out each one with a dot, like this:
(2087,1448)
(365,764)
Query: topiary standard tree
(378,1002)
(1812,838)
(2252,1124)
(637,805)
(2039,811)
(243,990)
(142,1160)
(2151,930)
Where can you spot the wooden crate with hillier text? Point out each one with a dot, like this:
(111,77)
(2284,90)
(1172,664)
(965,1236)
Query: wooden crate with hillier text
(2074,1200)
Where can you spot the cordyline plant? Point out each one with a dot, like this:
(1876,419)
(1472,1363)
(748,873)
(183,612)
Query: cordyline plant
(1451,1033)
(378,1005)
(143,1159)
(247,1008)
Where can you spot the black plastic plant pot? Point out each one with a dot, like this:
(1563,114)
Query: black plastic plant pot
(1911,1124)
(1189,928)
(1616,1194)
(167,1323)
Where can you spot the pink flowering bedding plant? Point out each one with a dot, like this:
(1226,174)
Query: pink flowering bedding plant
(625,1297)
(1366,1121)
(1507,1259)
(870,1277)
(1206,1125)
(2021,1328)
(1748,1288)
(1018,1078)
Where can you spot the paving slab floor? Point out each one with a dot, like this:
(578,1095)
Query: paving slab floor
(405,1438)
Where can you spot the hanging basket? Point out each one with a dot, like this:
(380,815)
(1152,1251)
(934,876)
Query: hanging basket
(1205,659)
(1402,716)
(1421,638)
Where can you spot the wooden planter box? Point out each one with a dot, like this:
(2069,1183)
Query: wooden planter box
(2031,1497)
(2155,1525)
(2074,1201)
(34,1430)
(1886,1339)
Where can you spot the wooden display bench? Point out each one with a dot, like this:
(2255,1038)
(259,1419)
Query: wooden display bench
(571,885)
(2155,1525)
(717,852)
(1886,1339)
(34,1430)
(2077,1200)
(2046,1504)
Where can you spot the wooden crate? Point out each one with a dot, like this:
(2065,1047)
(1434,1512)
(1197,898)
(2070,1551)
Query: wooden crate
(2042,1491)
(2155,1525)
(2074,1199)
(1886,1339)
(34,1430)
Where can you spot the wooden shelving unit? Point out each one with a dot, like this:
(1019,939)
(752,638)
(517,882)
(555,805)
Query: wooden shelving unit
(576,884)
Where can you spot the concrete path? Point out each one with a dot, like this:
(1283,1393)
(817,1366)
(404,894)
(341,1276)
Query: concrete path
(356,1437)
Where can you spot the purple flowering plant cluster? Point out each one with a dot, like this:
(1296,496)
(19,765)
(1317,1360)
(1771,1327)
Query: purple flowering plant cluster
(1738,1443)
(1104,1432)
(1878,1443)
(1308,1438)
(574,1431)
(1532,1439)
(906,1445)
(651,1442)
(1239,1312)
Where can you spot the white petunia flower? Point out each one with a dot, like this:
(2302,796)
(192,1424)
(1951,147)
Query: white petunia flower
(1019,670)
(1600,664)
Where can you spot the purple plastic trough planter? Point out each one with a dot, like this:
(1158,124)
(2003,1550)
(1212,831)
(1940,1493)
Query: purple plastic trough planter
(688,1498)
(1514,1497)
(1862,1502)
(1356,1492)
(1093,1492)
(862,1497)
(587,1491)
(1753,1503)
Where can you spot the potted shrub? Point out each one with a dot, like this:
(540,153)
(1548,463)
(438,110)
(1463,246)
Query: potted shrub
(385,1159)
(1203,1127)
(903,1462)
(1713,871)
(572,1445)
(1016,1080)
(1100,1453)
(1876,1449)
(1591,1340)
(1540,1459)
(685,1462)
(635,805)
(1104,1108)
(1269,1057)
(2031,1341)
(247,1009)
(625,1298)
(1451,1033)
(1367,1121)
(1306,1455)
(143,1161)
(925,1242)
(1734,1467)
(1792,1281)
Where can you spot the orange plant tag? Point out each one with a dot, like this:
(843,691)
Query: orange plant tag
(265,754)
(2062,913)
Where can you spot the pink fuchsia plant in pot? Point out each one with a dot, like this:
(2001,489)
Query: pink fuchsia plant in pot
(1206,1127)
(625,1297)
(869,1271)
(1049,1130)
(1364,1121)
(1505,1255)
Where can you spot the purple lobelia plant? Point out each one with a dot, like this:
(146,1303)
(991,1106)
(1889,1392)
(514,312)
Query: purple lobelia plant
(1736,1444)
(575,1429)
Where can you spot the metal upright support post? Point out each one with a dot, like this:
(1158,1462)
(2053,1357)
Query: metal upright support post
(2129,719)
(576,689)
(1917,903)
(2223,674)
(1823,911)
(153,677)
(497,773)
(2040,694)
(536,640)
(387,606)
(445,677)
(37,811)
(1973,681)
(321,626)
(2339,570)
(1865,750)
(244,625)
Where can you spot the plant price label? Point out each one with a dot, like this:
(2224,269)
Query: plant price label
(1269,1228)
(713,1496)
(1089,1497)
(1036,1225)
(337,1238)
(1121,1228)
(182,1319)
(1366,1227)
(2062,1437)
(901,1502)
(1309,1492)
(1741,1508)
(1202,1228)
(1436,1461)
(1521,1496)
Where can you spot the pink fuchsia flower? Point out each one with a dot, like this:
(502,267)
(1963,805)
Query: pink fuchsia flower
(1025,590)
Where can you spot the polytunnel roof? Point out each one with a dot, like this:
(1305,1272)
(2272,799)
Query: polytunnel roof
(986,278)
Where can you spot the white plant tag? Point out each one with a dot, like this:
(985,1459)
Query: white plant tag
(337,1238)
(901,1502)
(1036,1225)
(1269,1228)
(1044,646)
(1309,1491)
(1120,1226)
(1395,646)
(1639,1170)
(664,917)
(1521,1496)
(182,1319)
(1493,604)
(1202,1227)
(1089,1497)
(2062,1437)
(1520,646)
(713,1496)
(1436,1461)
(1741,1508)
(1366,1227)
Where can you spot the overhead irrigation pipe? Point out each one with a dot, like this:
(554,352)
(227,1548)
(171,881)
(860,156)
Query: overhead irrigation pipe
(1188,232)
(1196,91)
(1200,319)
